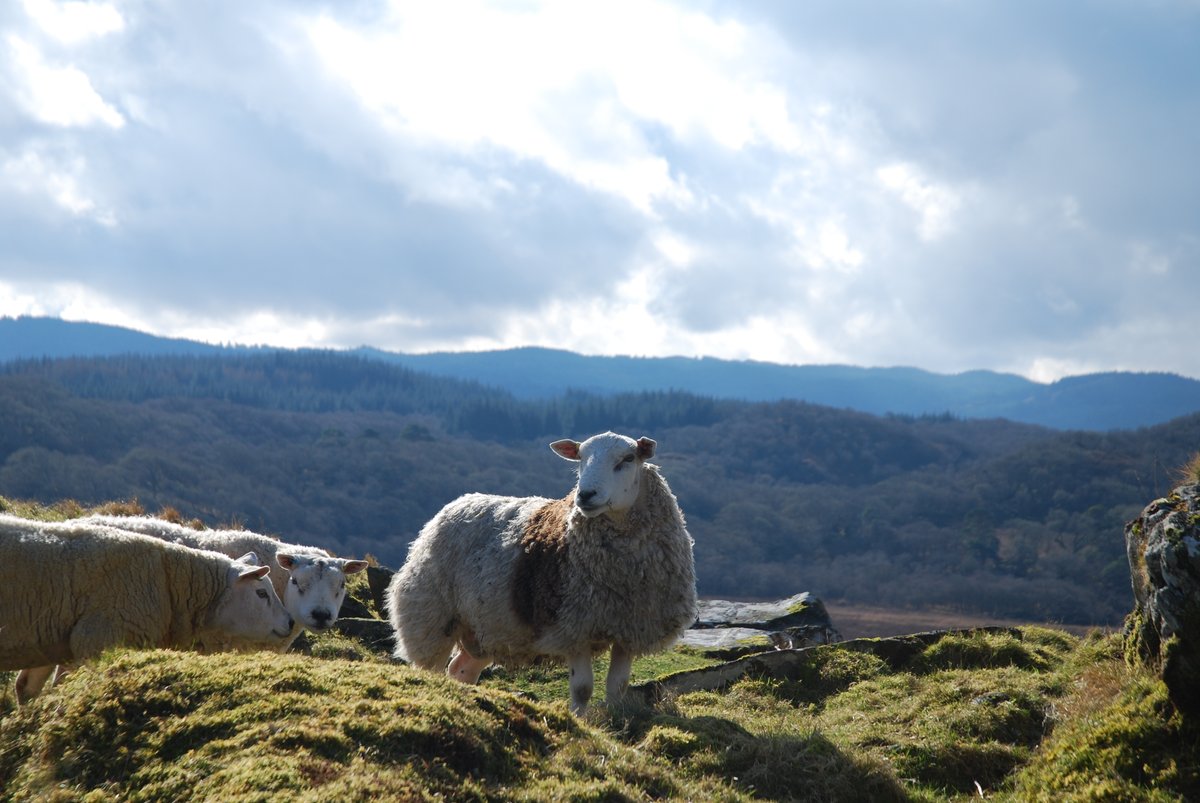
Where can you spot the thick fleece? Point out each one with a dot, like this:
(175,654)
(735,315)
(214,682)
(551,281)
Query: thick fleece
(514,579)
(310,581)
(70,591)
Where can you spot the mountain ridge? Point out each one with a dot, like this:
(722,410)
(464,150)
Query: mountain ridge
(1098,402)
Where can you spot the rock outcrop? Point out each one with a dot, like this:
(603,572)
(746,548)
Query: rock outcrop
(1163,546)
(797,664)
(727,629)
(724,629)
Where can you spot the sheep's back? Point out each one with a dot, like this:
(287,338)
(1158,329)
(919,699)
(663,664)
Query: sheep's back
(52,575)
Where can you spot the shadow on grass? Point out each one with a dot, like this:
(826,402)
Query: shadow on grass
(791,765)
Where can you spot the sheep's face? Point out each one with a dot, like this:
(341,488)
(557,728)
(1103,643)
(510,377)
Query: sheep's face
(610,471)
(316,587)
(249,610)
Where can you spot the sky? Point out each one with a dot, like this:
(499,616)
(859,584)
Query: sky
(1010,185)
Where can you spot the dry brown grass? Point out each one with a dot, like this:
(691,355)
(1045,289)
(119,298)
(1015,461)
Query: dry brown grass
(1189,472)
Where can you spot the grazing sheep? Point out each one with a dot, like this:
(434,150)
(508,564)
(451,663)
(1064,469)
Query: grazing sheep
(503,579)
(312,587)
(71,590)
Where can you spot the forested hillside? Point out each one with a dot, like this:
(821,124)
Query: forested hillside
(1099,402)
(987,517)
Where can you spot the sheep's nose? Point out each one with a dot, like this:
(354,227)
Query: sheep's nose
(321,616)
(583,497)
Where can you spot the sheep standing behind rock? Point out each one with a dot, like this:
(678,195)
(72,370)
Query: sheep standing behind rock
(312,585)
(503,579)
(68,591)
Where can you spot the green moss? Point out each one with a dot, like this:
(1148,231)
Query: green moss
(161,725)
(1038,714)
(359,590)
(825,673)
(992,650)
(549,680)
(1132,745)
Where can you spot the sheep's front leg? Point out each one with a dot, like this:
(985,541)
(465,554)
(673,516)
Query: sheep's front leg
(619,667)
(581,682)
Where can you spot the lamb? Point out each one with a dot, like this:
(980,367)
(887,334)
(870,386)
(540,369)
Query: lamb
(504,579)
(70,590)
(312,586)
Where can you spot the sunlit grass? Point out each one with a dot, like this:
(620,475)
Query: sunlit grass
(1031,714)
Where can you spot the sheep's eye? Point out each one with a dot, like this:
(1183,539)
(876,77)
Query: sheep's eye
(294,582)
(261,594)
(626,460)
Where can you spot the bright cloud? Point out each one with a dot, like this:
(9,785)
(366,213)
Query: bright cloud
(573,86)
(74,22)
(945,186)
(935,205)
(32,174)
(57,95)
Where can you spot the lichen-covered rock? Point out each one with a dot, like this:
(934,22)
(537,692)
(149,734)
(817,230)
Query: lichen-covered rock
(1163,547)
(726,643)
(727,629)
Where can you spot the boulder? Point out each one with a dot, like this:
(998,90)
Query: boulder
(1163,548)
(354,609)
(727,642)
(375,634)
(727,629)
(801,610)
(378,579)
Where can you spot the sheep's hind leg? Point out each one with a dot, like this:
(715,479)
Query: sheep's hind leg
(30,682)
(466,667)
(581,682)
(619,667)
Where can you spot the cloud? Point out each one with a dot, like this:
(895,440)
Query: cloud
(74,22)
(56,95)
(32,174)
(935,205)
(989,185)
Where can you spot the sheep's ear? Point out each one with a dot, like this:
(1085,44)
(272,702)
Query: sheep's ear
(645,448)
(253,573)
(353,566)
(286,560)
(566,449)
(251,558)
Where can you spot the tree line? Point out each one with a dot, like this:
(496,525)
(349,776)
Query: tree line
(988,517)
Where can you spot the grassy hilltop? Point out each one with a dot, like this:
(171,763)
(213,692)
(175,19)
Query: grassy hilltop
(1025,714)
(1042,716)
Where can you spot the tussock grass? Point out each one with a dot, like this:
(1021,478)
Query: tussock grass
(162,725)
(1117,738)
(1029,714)
(1189,472)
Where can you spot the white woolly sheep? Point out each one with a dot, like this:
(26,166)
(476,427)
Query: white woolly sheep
(312,586)
(70,590)
(504,579)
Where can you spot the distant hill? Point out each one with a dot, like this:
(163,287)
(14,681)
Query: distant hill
(29,337)
(1097,402)
(1090,402)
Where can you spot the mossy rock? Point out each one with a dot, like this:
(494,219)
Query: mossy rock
(1163,631)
